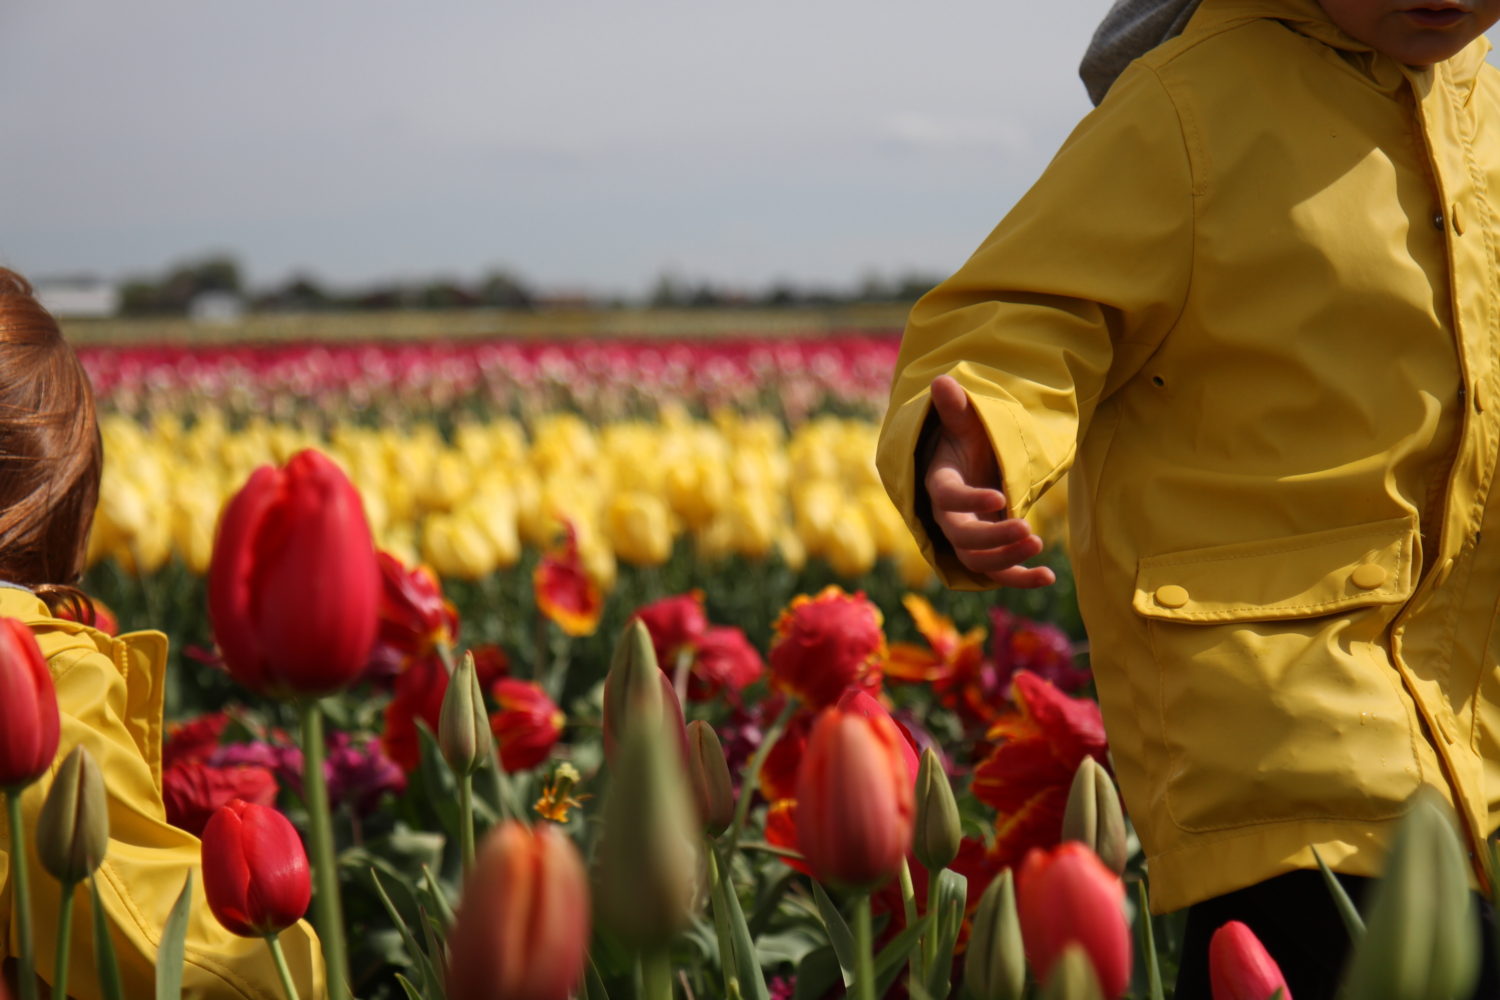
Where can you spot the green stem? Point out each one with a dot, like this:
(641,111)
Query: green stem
(930,939)
(656,975)
(281,968)
(718,884)
(864,950)
(21,908)
(64,940)
(909,907)
(327,911)
(466,820)
(751,776)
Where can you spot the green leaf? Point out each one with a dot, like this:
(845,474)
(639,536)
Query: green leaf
(430,981)
(436,953)
(104,950)
(747,968)
(840,937)
(593,983)
(893,956)
(1353,922)
(948,911)
(412,993)
(172,950)
(1148,944)
(817,974)
(442,909)
(766,903)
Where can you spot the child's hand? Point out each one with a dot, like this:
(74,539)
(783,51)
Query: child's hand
(963,481)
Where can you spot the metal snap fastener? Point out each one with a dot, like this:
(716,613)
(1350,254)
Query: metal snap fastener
(1368,576)
(1171,595)
(1437,221)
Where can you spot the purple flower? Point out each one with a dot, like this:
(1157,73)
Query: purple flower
(1018,643)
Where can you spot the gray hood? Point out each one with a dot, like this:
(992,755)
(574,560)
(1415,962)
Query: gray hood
(1130,29)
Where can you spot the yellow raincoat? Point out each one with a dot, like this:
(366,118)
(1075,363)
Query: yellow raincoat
(1253,306)
(109,693)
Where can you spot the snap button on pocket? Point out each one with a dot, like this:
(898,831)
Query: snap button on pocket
(1368,576)
(1171,595)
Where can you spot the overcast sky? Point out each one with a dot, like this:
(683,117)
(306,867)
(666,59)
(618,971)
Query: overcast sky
(580,144)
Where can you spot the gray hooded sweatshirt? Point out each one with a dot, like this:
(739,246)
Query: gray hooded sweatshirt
(1130,29)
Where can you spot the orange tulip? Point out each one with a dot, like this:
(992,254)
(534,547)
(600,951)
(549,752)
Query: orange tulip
(522,927)
(1067,896)
(855,799)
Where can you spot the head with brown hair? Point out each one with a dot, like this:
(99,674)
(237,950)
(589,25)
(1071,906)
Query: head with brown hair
(50,452)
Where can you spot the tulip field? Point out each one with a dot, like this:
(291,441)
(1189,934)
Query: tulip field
(605,668)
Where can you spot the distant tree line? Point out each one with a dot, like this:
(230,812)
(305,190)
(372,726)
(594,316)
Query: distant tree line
(176,292)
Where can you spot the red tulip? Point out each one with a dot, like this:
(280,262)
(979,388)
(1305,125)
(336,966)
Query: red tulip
(827,643)
(415,617)
(522,927)
(527,725)
(255,872)
(725,664)
(193,791)
(294,587)
(676,623)
(564,591)
(1067,896)
(1240,968)
(855,799)
(29,723)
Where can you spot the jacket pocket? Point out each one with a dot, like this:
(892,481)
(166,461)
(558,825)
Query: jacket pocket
(1278,697)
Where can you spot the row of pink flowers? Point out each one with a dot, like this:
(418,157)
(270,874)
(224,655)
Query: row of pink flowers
(800,374)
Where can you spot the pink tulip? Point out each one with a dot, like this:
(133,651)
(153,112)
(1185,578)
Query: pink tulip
(1240,968)
(1066,896)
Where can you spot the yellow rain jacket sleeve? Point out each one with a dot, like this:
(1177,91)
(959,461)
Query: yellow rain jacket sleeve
(109,694)
(1252,310)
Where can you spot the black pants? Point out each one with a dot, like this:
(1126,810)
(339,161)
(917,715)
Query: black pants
(1295,918)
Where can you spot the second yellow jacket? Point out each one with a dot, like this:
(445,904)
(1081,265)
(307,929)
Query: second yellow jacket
(1253,306)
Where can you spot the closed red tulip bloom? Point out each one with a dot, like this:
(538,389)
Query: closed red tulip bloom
(255,872)
(29,724)
(294,587)
(1240,968)
(1066,895)
(855,799)
(527,726)
(522,928)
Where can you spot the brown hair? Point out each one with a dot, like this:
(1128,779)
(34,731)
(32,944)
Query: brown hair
(50,451)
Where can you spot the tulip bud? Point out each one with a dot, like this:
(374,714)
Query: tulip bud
(1421,932)
(463,724)
(1072,977)
(29,724)
(1093,815)
(648,857)
(1240,968)
(937,835)
(854,799)
(72,832)
(294,587)
(637,693)
(713,791)
(995,968)
(1066,896)
(255,871)
(522,927)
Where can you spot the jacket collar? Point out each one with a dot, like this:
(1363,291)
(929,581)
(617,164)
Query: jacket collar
(1306,17)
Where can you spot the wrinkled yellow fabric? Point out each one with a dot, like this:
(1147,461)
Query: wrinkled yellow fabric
(109,694)
(1252,308)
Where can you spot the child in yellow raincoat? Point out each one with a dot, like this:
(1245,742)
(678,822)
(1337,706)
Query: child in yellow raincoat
(1253,307)
(109,693)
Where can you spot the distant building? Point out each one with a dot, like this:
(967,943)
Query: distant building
(80,297)
(216,307)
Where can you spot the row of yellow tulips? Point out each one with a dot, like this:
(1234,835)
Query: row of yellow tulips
(467,503)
